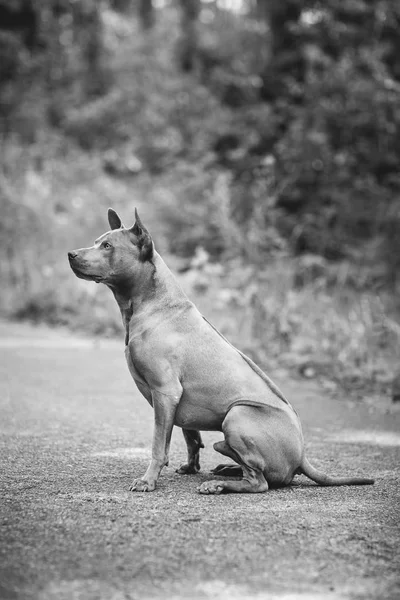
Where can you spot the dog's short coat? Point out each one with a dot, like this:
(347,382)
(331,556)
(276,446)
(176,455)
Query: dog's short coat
(192,376)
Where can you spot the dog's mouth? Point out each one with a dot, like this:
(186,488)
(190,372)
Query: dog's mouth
(87,276)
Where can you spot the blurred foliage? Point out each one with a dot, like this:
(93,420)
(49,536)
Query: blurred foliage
(255,134)
(294,103)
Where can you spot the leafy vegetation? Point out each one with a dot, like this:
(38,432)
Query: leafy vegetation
(261,146)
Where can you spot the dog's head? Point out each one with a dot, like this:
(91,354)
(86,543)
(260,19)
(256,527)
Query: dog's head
(117,257)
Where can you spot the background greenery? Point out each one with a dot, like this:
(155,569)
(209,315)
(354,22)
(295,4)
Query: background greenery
(260,141)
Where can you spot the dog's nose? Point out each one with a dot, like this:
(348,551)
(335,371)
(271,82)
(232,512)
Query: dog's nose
(72,255)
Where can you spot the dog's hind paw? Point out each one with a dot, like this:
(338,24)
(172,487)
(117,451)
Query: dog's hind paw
(229,470)
(211,487)
(139,485)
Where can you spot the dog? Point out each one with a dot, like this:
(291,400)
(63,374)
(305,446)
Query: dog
(192,376)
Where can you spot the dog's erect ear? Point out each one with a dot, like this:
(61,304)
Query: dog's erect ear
(114,220)
(144,240)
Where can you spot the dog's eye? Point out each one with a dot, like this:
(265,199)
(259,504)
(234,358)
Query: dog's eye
(106,245)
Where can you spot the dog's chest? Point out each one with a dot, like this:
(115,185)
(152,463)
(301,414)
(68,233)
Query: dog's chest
(132,367)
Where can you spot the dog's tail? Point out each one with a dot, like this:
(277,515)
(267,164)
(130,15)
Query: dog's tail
(323,479)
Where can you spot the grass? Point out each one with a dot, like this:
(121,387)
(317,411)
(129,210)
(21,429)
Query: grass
(329,331)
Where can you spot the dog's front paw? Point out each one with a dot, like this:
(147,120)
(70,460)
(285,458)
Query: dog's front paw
(140,485)
(211,487)
(188,469)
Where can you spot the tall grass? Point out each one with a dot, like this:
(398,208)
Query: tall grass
(322,328)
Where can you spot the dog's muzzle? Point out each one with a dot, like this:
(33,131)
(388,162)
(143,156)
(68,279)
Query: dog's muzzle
(80,269)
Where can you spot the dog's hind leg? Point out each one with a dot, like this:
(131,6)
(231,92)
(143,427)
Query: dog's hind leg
(240,430)
(194,443)
(227,470)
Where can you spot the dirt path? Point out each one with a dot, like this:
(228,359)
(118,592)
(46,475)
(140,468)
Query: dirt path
(73,432)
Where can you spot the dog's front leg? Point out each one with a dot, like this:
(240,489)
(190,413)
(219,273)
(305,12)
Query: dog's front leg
(164,413)
(194,443)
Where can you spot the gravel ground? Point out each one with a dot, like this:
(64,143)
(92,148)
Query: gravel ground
(74,431)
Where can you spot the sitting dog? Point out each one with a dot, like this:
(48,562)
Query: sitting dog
(192,376)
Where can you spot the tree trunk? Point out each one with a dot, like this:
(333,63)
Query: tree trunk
(146,13)
(286,58)
(189,39)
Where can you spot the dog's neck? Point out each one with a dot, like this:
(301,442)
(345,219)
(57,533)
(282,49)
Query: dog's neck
(156,290)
